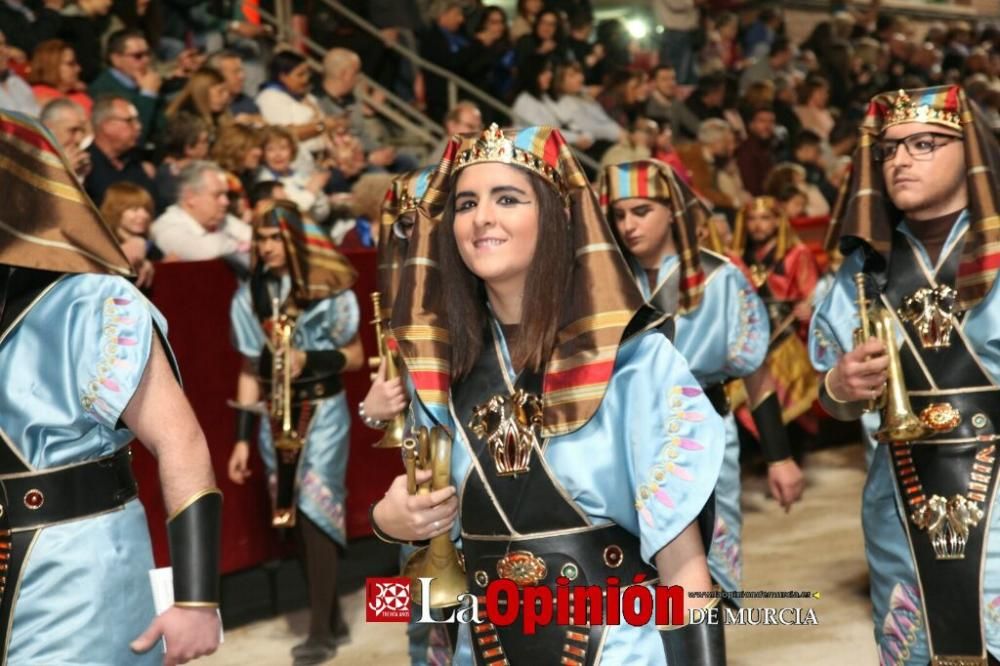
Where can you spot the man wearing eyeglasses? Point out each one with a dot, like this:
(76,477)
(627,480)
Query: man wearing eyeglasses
(920,231)
(132,76)
(113,154)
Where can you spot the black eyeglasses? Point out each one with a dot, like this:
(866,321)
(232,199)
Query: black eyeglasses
(920,146)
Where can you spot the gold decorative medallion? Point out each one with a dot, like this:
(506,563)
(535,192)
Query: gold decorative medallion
(947,522)
(522,567)
(930,311)
(509,423)
(940,417)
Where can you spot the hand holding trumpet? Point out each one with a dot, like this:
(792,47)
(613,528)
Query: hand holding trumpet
(860,374)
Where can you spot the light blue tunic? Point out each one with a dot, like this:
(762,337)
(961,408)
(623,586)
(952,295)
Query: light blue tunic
(71,366)
(725,336)
(647,460)
(327,324)
(899,628)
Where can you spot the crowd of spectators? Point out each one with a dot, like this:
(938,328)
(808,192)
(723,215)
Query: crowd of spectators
(180,120)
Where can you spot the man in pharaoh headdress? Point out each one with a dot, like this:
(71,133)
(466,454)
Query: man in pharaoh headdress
(920,235)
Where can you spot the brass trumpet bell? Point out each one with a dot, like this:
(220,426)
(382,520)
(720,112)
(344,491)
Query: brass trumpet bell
(899,423)
(439,560)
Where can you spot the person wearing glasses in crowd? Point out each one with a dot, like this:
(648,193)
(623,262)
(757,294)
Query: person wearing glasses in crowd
(920,231)
(114,153)
(131,75)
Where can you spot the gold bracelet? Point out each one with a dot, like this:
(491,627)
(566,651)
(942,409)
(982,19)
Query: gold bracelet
(829,393)
(783,461)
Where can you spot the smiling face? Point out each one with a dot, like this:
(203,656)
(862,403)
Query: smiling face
(135,221)
(278,154)
(643,225)
(929,185)
(496,223)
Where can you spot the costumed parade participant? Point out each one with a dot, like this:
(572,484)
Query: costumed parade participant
(296,324)
(88,369)
(919,234)
(386,399)
(583,446)
(384,406)
(784,272)
(721,329)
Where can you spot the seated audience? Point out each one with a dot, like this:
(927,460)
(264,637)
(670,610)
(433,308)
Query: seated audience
(113,154)
(55,74)
(198,227)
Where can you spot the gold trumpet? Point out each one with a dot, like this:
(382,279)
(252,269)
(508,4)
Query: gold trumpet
(287,440)
(440,559)
(899,423)
(393,437)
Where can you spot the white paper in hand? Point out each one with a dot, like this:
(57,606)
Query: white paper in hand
(162,582)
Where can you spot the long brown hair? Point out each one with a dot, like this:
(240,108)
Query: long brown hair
(232,145)
(193,98)
(545,290)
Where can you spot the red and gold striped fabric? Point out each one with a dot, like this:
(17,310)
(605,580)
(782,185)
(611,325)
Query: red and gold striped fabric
(867,214)
(598,306)
(47,221)
(317,269)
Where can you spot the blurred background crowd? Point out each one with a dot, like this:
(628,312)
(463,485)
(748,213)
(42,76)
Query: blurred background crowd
(182,116)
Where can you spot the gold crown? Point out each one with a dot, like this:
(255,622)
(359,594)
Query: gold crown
(905,111)
(493,146)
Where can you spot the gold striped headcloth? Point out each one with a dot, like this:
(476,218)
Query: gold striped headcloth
(47,221)
(402,198)
(316,268)
(599,304)
(866,215)
(652,179)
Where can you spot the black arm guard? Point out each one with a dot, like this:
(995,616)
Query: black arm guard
(773,435)
(322,363)
(194,533)
(246,423)
(695,644)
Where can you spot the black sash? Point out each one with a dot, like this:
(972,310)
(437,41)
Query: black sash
(945,463)
(531,503)
(31,500)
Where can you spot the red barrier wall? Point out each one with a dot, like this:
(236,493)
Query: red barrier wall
(195,298)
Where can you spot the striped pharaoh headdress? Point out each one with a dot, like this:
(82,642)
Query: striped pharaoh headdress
(317,270)
(47,221)
(599,304)
(652,179)
(402,198)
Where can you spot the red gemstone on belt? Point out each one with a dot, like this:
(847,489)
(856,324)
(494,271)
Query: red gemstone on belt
(34,499)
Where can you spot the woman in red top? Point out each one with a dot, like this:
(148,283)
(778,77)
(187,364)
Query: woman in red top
(55,73)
